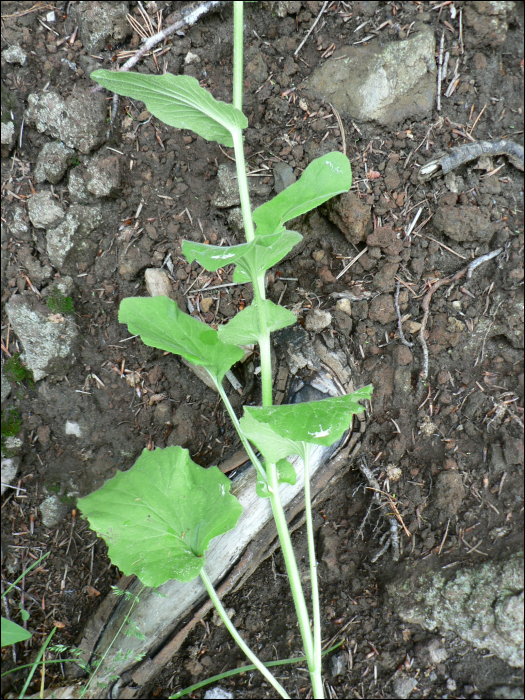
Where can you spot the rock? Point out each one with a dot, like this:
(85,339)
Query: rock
(403,380)
(286,7)
(283,176)
(449,493)
(157,282)
(8,136)
(227,193)
(132,263)
(218,693)
(14,54)
(482,604)
(402,355)
(44,211)
(317,320)
(382,237)
(53,511)
(432,652)
(79,121)
(102,177)
(387,85)
(5,386)
(326,276)
(101,23)
(52,162)
(76,186)
(70,243)
(344,305)
(206,304)
(486,23)
(338,664)
(463,223)
(403,686)
(50,340)
(351,216)
(382,309)
(10,466)
(513,450)
(384,281)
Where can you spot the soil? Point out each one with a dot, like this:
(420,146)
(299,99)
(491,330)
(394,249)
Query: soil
(449,448)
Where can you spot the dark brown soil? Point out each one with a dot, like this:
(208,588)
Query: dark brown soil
(457,438)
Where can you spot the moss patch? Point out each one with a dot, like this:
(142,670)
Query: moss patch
(17,372)
(11,424)
(59,304)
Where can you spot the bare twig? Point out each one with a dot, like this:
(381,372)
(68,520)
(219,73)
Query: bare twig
(323,8)
(394,527)
(399,323)
(440,72)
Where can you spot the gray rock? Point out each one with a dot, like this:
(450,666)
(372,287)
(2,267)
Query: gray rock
(53,511)
(283,176)
(482,604)
(338,664)
(10,466)
(386,84)
(403,380)
(6,387)
(44,211)
(78,121)
(382,309)
(102,177)
(486,22)
(218,693)
(227,193)
(286,7)
(133,262)
(403,686)
(351,216)
(13,445)
(18,227)
(76,186)
(50,340)
(101,23)
(317,320)
(463,223)
(8,135)
(14,54)
(157,282)
(52,162)
(70,242)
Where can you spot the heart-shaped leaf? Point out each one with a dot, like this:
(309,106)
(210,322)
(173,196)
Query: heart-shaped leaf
(212,257)
(266,253)
(323,179)
(161,324)
(13,633)
(281,431)
(177,100)
(244,328)
(159,517)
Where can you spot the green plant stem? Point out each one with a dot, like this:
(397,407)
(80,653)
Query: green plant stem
(240,164)
(238,39)
(264,346)
(237,637)
(37,661)
(291,564)
(249,449)
(317,681)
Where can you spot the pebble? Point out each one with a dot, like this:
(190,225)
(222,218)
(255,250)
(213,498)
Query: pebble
(317,320)
(345,306)
(206,304)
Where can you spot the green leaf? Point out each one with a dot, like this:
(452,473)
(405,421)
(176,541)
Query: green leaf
(244,329)
(323,179)
(161,324)
(280,431)
(159,517)
(212,257)
(13,633)
(177,100)
(285,475)
(266,253)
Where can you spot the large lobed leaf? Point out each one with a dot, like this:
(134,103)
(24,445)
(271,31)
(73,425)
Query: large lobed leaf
(177,100)
(323,179)
(281,431)
(161,324)
(159,517)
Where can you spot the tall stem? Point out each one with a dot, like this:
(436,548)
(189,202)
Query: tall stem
(317,681)
(238,34)
(237,637)
(243,184)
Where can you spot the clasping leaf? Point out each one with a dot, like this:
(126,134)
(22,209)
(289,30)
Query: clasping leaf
(159,517)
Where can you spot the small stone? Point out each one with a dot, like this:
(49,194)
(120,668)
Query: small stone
(218,693)
(352,216)
(326,276)
(382,309)
(158,283)
(43,210)
(412,327)
(344,305)
(103,178)
(384,281)
(283,176)
(318,255)
(317,320)
(162,413)
(206,304)
(10,467)
(513,450)
(449,492)
(14,54)
(403,380)
(403,687)
(382,237)
(52,162)
(53,511)
(8,135)
(403,355)
(338,664)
